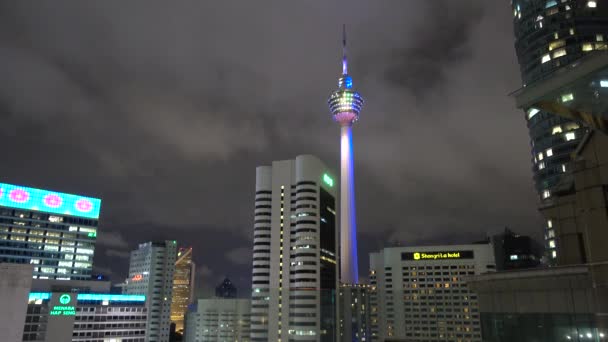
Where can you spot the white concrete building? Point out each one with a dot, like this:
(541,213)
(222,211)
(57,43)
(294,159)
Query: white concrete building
(421,293)
(15,284)
(151,271)
(295,274)
(218,320)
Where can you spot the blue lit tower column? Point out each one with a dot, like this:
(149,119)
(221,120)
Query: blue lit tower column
(345,105)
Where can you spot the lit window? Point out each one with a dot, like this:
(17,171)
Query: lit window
(556,44)
(599,37)
(563,167)
(545,58)
(571,126)
(553,254)
(541,165)
(570,136)
(567,97)
(556,35)
(550,233)
(556,129)
(546,194)
(587,46)
(532,112)
(549,152)
(558,53)
(592,4)
(552,243)
(551,3)
(571,31)
(549,223)
(513,257)
(604,83)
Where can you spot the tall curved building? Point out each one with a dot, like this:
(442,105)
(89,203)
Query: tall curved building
(549,35)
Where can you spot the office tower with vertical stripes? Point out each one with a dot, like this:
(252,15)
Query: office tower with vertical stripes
(295,273)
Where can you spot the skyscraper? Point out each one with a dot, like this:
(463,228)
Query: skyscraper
(549,35)
(151,270)
(226,289)
(53,231)
(294,281)
(183,287)
(345,105)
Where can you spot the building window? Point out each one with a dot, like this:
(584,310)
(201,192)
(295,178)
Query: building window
(541,165)
(553,254)
(556,44)
(549,223)
(551,243)
(532,112)
(556,129)
(567,97)
(570,136)
(559,53)
(587,47)
(550,233)
(545,58)
(549,152)
(592,4)
(599,37)
(546,194)
(540,156)
(563,167)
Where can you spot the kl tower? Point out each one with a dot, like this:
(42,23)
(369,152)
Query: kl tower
(345,104)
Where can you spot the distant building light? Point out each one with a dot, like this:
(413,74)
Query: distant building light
(592,4)
(556,129)
(545,58)
(567,97)
(551,243)
(587,47)
(551,3)
(570,136)
(546,194)
(604,83)
(513,257)
(553,254)
(563,167)
(549,152)
(533,111)
(541,165)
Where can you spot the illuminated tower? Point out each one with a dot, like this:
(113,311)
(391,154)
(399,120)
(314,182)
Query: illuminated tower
(183,287)
(345,105)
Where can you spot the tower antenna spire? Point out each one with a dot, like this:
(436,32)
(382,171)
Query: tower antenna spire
(344,60)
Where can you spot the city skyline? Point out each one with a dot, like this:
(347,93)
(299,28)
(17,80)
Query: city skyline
(177,144)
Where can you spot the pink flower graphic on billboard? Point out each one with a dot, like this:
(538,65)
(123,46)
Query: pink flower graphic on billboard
(84,205)
(53,201)
(19,196)
(1,192)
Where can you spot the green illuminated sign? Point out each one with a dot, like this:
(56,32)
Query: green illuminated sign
(64,309)
(328,180)
(65,299)
(92,234)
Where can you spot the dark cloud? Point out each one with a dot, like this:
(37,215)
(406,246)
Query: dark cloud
(165,109)
(440,42)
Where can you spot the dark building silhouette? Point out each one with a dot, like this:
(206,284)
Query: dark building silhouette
(513,251)
(226,289)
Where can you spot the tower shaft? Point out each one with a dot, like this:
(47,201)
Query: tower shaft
(349,265)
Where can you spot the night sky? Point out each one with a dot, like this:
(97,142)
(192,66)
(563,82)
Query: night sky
(164,109)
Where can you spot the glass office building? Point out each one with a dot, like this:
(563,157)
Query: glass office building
(55,232)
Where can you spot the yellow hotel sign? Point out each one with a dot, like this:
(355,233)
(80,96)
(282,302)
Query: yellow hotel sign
(434,255)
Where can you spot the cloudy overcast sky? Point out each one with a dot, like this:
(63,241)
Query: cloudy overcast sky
(164,109)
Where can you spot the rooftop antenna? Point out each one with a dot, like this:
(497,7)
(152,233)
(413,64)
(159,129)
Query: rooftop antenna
(344,60)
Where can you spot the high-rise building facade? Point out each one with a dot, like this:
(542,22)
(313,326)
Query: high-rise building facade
(226,289)
(421,293)
(183,287)
(55,232)
(354,323)
(151,270)
(345,105)
(549,35)
(294,281)
(219,320)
